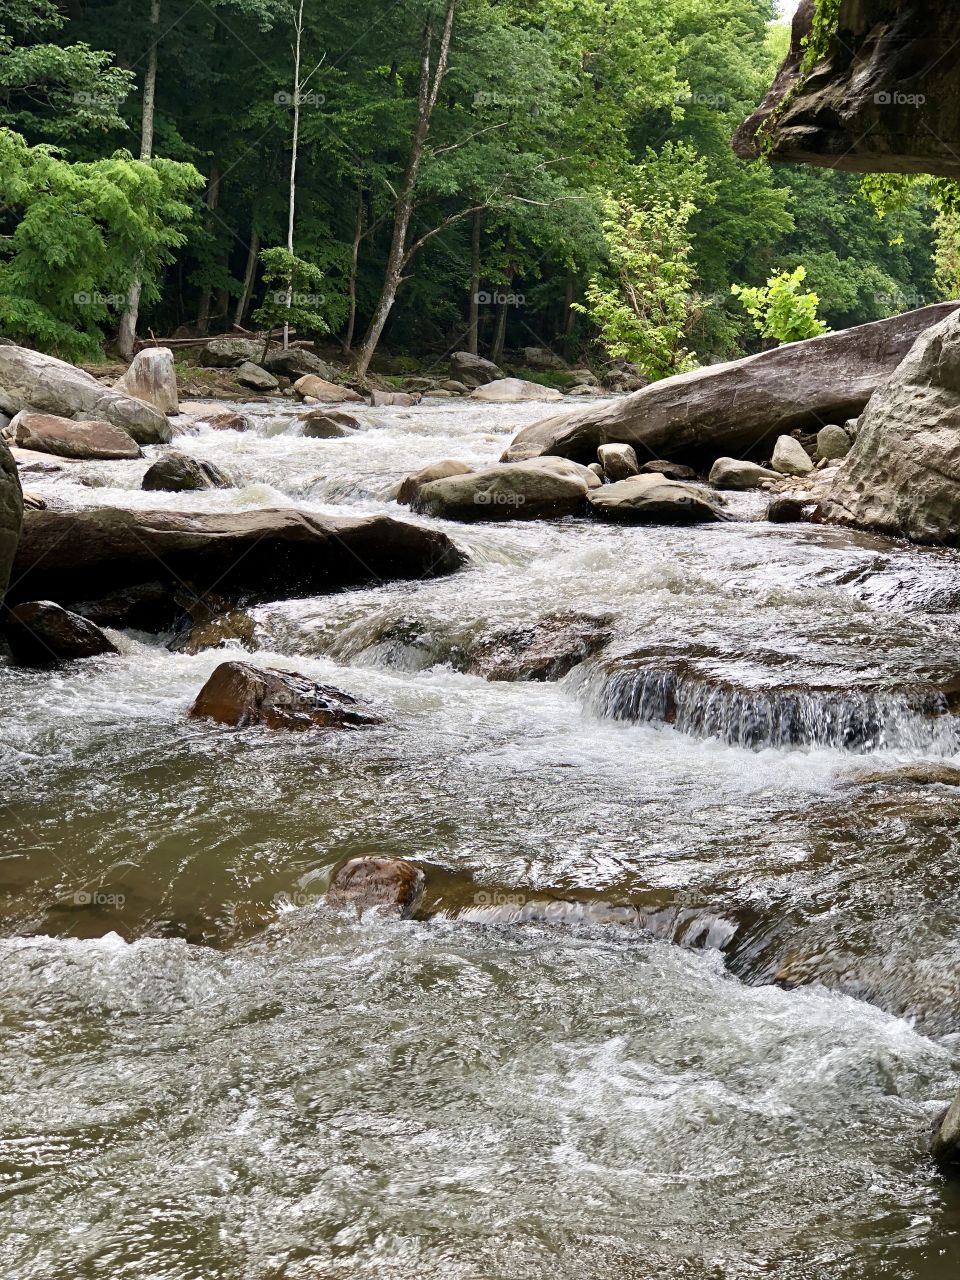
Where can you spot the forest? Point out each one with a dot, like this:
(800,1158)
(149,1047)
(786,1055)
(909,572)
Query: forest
(427,176)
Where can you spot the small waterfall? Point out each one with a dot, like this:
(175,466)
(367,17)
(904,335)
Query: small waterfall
(859,720)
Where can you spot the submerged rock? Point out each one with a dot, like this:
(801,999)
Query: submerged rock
(42,384)
(734,473)
(412,484)
(540,489)
(41,634)
(507,390)
(790,458)
(236,627)
(240,694)
(177,472)
(546,650)
(153,378)
(326,392)
(786,509)
(653,499)
(11,514)
(376,881)
(66,438)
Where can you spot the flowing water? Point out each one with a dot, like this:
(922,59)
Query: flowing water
(681,1000)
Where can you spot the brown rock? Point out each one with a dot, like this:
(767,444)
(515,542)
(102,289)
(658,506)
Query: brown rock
(324,392)
(240,694)
(234,627)
(376,881)
(547,650)
(11,514)
(45,433)
(152,377)
(412,484)
(329,424)
(41,633)
(406,399)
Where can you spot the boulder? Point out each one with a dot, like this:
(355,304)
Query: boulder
(902,475)
(376,881)
(227,352)
(240,694)
(71,556)
(43,384)
(729,409)
(252,375)
(509,390)
(785,509)
(411,484)
(654,500)
(790,458)
(545,650)
(295,362)
(329,424)
(733,473)
(472,371)
(325,392)
(883,98)
(945,1136)
(65,438)
(11,514)
(619,462)
(585,389)
(407,399)
(541,358)
(236,627)
(583,378)
(833,442)
(177,472)
(41,633)
(672,470)
(454,387)
(437,394)
(539,489)
(223,420)
(152,377)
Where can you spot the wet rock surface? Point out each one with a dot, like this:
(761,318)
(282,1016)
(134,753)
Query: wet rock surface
(652,499)
(66,438)
(177,472)
(376,881)
(241,695)
(541,489)
(41,634)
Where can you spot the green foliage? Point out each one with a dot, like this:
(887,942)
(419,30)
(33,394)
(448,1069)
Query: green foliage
(781,310)
(825,19)
(293,293)
(76,235)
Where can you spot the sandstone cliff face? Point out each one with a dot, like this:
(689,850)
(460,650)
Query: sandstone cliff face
(885,98)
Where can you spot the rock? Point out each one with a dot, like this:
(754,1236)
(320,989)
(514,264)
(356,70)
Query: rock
(883,98)
(541,358)
(65,438)
(728,409)
(472,371)
(251,375)
(583,378)
(411,484)
(295,363)
(652,499)
(150,607)
(376,881)
(924,774)
(43,384)
(33,502)
(672,470)
(325,392)
(517,491)
(454,387)
(262,554)
(40,634)
(945,1135)
(833,442)
(902,476)
(625,376)
(547,650)
(152,377)
(235,627)
(785,510)
(790,458)
(852,427)
(733,473)
(177,472)
(618,461)
(224,420)
(596,468)
(241,695)
(437,394)
(228,352)
(585,391)
(329,424)
(508,390)
(11,514)
(406,398)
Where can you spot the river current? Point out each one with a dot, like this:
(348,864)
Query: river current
(682,999)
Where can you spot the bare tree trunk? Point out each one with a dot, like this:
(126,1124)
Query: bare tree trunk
(569,315)
(298,27)
(429,90)
(127,333)
(500,332)
(213,199)
(473,324)
(354,261)
(249,276)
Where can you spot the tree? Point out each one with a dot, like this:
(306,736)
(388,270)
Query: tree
(780,310)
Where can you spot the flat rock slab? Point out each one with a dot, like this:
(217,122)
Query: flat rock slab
(98,441)
(729,409)
(240,694)
(265,554)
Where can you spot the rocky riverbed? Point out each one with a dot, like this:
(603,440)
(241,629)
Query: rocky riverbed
(679,996)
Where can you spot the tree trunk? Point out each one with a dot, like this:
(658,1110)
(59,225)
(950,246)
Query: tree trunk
(291,211)
(428,93)
(473,324)
(127,334)
(500,332)
(354,261)
(569,315)
(213,199)
(249,276)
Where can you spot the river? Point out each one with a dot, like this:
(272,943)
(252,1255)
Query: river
(681,1001)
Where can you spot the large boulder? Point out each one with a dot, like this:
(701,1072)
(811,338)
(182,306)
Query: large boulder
(882,98)
(833,442)
(295,362)
(471,370)
(31,380)
(619,462)
(542,358)
(46,433)
(539,489)
(11,514)
(510,390)
(177,472)
(651,499)
(790,458)
(314,388)
(240,694)
(729,409)
(412,484)
(376,881)
(902,475)
(227,352)
(71,556)
(41,633)
(256,378)
(152,377)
